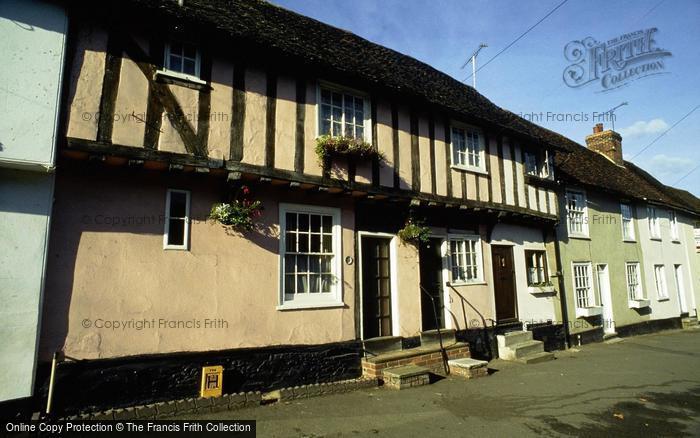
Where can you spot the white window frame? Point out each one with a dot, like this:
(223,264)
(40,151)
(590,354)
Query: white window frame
(629,220)
(584,211)
(312,300)
(366,110)
(638,293)
(481,168)
(166,231)
(479,259)
(661,283)
(653,222)
(540,255)
(166,71)
(590,294)
(673,224)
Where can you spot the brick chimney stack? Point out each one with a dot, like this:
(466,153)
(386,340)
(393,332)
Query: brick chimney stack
(607,143)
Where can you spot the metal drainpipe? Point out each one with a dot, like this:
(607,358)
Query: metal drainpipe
(562,292)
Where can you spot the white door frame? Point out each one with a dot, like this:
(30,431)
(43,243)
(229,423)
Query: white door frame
(393,282)
(603,283)
(446,296)
(680,288)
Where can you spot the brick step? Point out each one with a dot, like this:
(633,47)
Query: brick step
(512,338)
(468,367)
(408,376)
(429,357)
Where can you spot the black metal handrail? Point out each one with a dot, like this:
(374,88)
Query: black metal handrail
(484,327)
(443,352)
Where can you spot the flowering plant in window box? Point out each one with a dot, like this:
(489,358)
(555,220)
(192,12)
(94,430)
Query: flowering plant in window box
(328,146)
(414,232)
(239,214)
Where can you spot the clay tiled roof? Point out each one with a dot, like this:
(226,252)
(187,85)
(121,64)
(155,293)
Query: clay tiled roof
(320,44)
(317,43)
(583,166)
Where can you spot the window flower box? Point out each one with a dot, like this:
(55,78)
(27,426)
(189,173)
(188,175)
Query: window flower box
(638,304)
(328,147)
(541,289)
(586,312)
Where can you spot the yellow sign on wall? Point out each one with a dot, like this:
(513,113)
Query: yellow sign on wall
(212,381)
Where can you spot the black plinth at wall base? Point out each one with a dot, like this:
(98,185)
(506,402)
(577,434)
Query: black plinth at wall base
(652,326)
(587,337)
(93,385)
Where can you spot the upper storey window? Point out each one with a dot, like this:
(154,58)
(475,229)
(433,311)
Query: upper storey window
(343,114)
(539,164)
(576,213)
(653,220)
(182,59)
(468,149)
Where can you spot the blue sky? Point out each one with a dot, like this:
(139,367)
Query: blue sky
(528,77)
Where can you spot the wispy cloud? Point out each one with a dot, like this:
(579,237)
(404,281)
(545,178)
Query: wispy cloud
(663,164)
(640,128)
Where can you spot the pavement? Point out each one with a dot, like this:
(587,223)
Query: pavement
(646,385)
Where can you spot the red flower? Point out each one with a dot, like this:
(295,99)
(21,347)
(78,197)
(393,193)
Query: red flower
(245,189)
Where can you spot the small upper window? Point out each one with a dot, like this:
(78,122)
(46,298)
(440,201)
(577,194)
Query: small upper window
(177,221)
(343,114)
(182,58)
(674,225)
(468,149)
(654,228)
(627,222)
(577,213)
(538,164)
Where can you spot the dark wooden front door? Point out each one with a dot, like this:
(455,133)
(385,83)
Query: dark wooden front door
(504,283)
(376,287)
(431,279)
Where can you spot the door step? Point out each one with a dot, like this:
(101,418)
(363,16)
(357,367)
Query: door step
(382,345)
(611,338)
(520,347)
(544,356)
(431,337)
(408,376)
(511,338)
(689,322)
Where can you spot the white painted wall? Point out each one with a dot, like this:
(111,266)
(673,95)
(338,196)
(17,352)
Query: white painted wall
(531,308)
(667,252)
(32,42)
(686,226)
(25,206)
